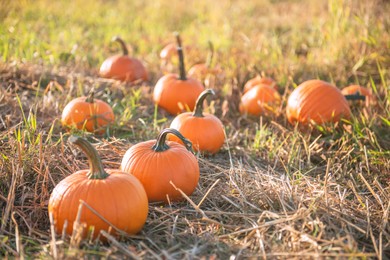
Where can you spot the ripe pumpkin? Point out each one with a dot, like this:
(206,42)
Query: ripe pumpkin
(202,70)
(357,94)
(168,51)
(123,67)
(118,197)
(87,113)
(316,101)
(156,163)
(205,131)
(258,80)
(176,93)
(260,99)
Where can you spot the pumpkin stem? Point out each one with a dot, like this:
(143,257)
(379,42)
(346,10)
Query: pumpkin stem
(91,96)
(161,145)
(198,111)
(122,43)
(210,55)
(181,58)
(356,96)
(95,164)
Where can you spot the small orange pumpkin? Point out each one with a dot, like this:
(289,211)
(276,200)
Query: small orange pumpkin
(168,51)
(123,67)
(316,101)
(116,196)
(260,99)
(258,80)
(156,163)
(205,131)
(87,113)
(202,70)
(176,93)
(358,93)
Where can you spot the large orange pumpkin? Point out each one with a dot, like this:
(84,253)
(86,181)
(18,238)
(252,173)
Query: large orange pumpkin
(157,163)
(117,197)
(88,113)
(261,99)
(205,131)
(316,101)
(176,93)
(123,67)
(258,80)
(358,93)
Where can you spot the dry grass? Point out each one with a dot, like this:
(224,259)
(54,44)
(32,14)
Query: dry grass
(273,191)
(326,204)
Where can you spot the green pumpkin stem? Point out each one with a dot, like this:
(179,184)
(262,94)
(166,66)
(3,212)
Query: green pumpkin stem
(356,96)
(210,55)
(161,144)
(95,164)
(122,43)
(198,111)
(181,57)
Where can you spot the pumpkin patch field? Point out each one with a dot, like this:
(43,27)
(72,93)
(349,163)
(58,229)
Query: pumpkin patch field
(195,129)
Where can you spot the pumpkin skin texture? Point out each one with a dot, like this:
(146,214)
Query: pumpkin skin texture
(259,100)
(177,93)
(122,67)
(316,101)
(356,94)
(118,197)
(205,131)
(259,81)
(157,163)
(87,113)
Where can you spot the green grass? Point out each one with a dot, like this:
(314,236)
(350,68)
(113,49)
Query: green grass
(275,190)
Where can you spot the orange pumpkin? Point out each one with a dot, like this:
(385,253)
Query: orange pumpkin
(258,80)
(205,131)
(168,51)
(176,93)
(123,67)
(261,99)
(316,101)
(117,197)
(358,93)
(156,163)
(87,113)
(201,70)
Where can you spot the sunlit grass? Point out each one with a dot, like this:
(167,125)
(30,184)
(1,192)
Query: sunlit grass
(332,38)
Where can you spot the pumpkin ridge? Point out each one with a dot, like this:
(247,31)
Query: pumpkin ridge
(331,112)
(191,158)
(308,111)
(113,206)
(71,215)
(58,197)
